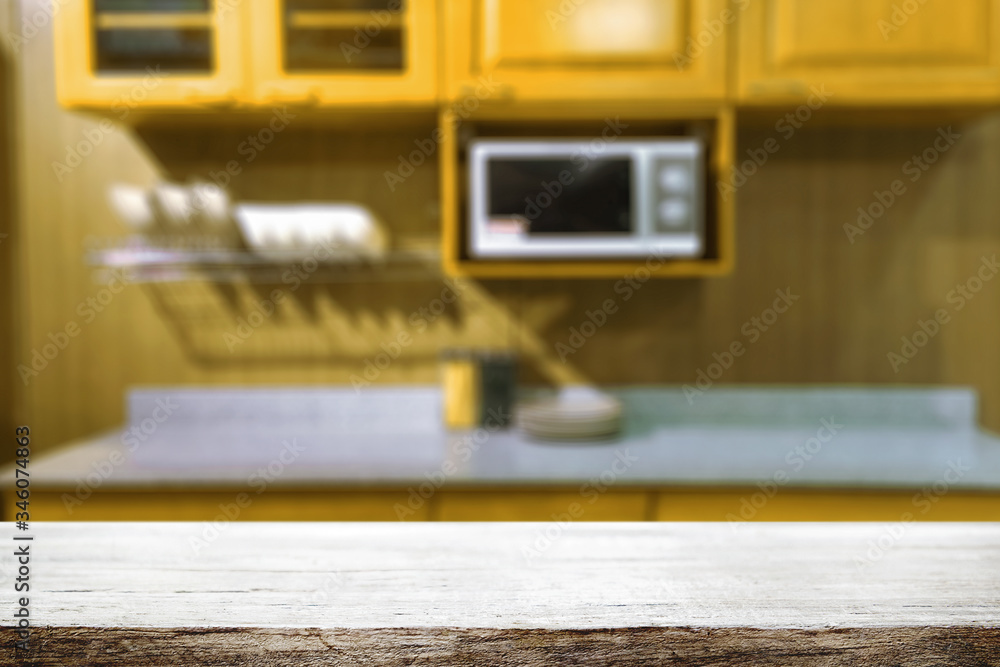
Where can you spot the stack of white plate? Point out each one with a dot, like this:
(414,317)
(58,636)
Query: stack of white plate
(200,208)
(573,414)
(280,229)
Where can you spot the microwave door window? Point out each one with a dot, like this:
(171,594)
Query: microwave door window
(561,196)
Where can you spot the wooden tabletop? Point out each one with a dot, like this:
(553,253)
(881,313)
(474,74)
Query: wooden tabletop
(526,594)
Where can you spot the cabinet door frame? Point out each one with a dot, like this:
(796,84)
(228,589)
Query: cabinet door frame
(78,85)
(762,81)
(472,60)
(416,85)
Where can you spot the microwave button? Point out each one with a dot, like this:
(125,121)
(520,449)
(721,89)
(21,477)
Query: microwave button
(673,212)
(674,179)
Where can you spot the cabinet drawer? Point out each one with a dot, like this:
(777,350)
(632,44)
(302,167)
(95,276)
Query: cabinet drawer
(220,506)
(754,504)
(529,505)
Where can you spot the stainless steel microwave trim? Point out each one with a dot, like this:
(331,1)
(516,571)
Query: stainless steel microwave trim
(645,238)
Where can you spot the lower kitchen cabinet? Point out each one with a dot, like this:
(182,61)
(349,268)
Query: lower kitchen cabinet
(544,505)
(754,504)
(560,504)
(222,506)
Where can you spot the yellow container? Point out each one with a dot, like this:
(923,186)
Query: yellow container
(461,383)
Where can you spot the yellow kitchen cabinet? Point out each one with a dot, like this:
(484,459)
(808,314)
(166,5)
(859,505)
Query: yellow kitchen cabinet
(222,506)
(120,55)
(869,52)
(344,51)
(550,504)
(738,505)
(561,50)
(559,505)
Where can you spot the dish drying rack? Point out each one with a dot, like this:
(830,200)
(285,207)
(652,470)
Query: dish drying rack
(151,262)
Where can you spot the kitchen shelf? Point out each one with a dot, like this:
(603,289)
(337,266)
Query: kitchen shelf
(716,121)
(147,264)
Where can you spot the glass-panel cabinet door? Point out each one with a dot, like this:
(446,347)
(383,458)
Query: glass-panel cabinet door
(125,54)
(344,51)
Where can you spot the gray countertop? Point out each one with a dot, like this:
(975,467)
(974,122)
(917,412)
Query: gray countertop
(794,436)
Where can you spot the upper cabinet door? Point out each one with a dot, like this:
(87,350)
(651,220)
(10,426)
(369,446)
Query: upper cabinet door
(870,51)
(344,51)
(123,54)
(554,50)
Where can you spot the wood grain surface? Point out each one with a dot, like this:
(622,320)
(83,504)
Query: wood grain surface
(563,574)
(737,647)
(562,592)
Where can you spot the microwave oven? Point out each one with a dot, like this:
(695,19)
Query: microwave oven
(580,198)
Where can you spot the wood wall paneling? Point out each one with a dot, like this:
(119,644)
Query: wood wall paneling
(10,278)
(856,300)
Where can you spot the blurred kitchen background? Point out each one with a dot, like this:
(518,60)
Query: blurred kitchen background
(804,112)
